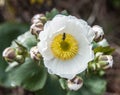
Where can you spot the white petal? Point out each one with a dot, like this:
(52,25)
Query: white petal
(90,35)
(45,50)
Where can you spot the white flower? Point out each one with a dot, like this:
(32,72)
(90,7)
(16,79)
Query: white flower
(65,44)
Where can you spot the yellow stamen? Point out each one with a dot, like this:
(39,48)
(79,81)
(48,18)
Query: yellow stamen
(64,49)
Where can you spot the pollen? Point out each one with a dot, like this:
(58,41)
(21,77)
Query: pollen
(66,48)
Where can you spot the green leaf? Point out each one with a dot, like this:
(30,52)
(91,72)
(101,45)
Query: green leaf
(106,50)
(29,75)
(52,13)
(2,76)
(27,40)
(63,83)
(96,85)
(52,87)
(92,86)
(82,91)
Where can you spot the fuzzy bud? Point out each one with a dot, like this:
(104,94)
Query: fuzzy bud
(75,84)
(19,50)
(39,18)
(106,61)
(20,59)
(99,34)
(34,53)
(36,28)
(9,54)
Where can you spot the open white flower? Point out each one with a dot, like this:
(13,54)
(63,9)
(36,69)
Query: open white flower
(65,44)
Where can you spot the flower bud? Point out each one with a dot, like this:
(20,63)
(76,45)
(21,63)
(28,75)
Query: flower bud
(99,34)
(106,61)
(20,59)
(34,53)
(75,84)
(19,50)
(36,28)
(9,54)
(39,18)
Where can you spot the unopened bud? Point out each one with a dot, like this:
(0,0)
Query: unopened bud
(106,61)
(20,59)
(36,28)
(19,50)
(34,53)
(99,34)
(39,18)
(9,54)
(75,84)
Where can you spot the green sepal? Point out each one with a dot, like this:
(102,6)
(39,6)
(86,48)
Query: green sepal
(63,83)
(50,15)
(106,50)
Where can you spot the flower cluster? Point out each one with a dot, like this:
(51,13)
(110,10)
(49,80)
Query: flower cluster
(68,47)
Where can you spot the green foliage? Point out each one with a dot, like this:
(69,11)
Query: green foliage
(106,50)
(63,83)
(96,84)
(3,77)
(92,86)
(29,75)
(52,87)
(54,12)
(27,40)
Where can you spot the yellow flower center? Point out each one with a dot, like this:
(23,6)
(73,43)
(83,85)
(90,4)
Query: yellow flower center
(64,46)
